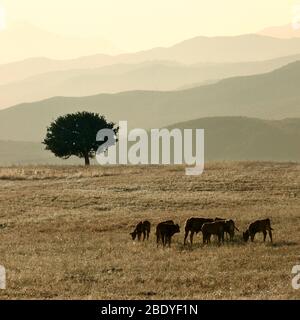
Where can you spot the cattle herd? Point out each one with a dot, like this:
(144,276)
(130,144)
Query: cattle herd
(217,227)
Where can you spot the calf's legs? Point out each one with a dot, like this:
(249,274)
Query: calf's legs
(185,236)
(270,235)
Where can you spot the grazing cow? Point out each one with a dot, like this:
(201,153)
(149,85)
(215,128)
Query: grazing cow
(209,228)
(229,227)
(194,225)
(258,226)
(142,227)
(164,232)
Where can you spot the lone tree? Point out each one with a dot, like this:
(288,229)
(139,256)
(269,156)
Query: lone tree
(75,135)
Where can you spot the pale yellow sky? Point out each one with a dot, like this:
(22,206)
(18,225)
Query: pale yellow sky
(142,24)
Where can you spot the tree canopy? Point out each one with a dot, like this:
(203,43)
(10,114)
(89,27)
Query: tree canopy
(75,135)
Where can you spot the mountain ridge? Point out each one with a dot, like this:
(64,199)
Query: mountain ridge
(272,95)
(231,49)
(156,75)
(35,41)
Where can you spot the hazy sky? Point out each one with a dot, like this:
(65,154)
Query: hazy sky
(140,24)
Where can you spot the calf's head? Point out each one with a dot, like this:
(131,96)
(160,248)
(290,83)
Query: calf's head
(246,235)
(176,228)
(133,235)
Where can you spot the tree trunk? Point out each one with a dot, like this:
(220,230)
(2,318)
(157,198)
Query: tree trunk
(87,159)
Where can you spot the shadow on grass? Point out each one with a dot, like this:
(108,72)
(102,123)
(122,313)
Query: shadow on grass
(283,243)
(148,293)
(237,242)
(213,244)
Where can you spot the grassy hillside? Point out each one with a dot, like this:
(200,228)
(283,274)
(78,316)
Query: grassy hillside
(226,138)
(273,95)
(65,232)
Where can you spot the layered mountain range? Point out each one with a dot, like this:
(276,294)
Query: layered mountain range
(225,83)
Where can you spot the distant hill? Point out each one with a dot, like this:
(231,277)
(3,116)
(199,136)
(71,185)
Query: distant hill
(241,48)
(284,32)
(226,138)
(23,40)
(156,75)
(240,138)
(22,153)
(20,70)
(273,95)
(235,49)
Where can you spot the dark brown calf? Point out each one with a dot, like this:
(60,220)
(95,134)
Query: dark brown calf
(193,225)
(229,227)
(164,232)
(216,228)
(142,227)
(263,226)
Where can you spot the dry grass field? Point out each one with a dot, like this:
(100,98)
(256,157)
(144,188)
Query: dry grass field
(65,232)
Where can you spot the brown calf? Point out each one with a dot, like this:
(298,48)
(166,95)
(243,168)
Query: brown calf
(216,228)
(142,227)
(164,232)
(229,227)
(194,225)
(263,226)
